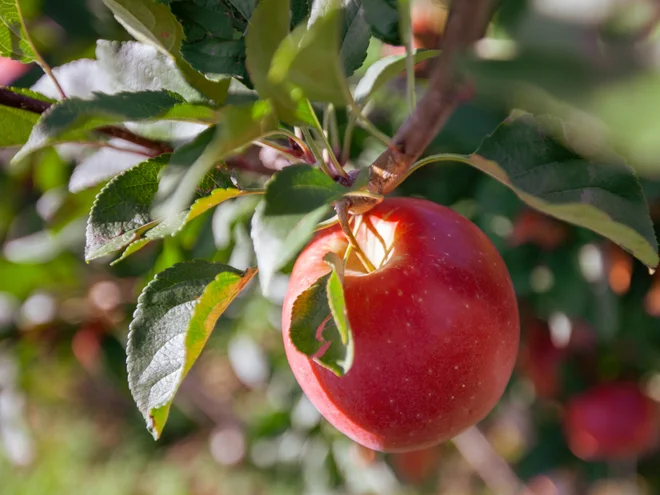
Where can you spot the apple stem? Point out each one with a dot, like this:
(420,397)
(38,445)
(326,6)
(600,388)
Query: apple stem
(342,216)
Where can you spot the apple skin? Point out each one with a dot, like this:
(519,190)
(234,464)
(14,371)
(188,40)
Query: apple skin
(435,328)
(611,421)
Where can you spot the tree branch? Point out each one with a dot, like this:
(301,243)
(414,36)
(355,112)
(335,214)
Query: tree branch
(466,23)
(250,160)
(16,100)
(490,467)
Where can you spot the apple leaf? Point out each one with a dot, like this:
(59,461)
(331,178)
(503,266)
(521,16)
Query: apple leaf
(319,323)
(309,59)
(123,215)
(268,27)
(383,18)
(203,19)
(237,127)
(217,59)
(71,119)
(383,70)
(154,23)
(337,303)
(13,41)
(353,31)
(528,155)
(300,10)
(135,66)
(245,7)
(175,315)
(16,125)
(297,199)
(122,210)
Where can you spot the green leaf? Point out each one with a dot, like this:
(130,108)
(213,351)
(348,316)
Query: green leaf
(122,210)
(13,40)
(245,7)
(216,58)
(297,199)
(201,21)
(353,35)
(383,18)
(309,59)
(237,127)
(382,71)
(154,23)
(319,322)
(135,66)
(343,350)
(123,215)
(300,10)
(30,93)
(527,155)
(16,125)
(175,315)
(70,119)
(268,26)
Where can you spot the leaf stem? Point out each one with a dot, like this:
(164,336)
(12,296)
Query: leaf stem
(348,137)
(466,23)
(366,124)
(286,133)
(342,215)
(340,170)
(40,60)
(316,151)
(441,157)
(278,147)
(333,129)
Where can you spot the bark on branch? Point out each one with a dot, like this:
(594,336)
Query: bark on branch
(466,23)
(16,100)
(248,161)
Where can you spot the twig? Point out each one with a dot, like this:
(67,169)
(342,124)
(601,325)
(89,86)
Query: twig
(10,99)
(342,215)
(248,161)
(491,468)
(40,60)
(466,23)
(408,38)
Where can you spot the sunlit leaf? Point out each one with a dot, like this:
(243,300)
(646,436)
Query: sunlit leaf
(13,40)
(527,154)
(175,315)
(297,198)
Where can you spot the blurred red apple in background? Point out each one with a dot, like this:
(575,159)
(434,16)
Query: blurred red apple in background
(10,70)
(611,421)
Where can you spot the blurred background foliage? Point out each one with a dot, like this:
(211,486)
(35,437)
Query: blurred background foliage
(240,424)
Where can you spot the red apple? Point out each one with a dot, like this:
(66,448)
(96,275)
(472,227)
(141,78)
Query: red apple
(540,359)
(10,70)
(533,227)
(611,421)
(435,327)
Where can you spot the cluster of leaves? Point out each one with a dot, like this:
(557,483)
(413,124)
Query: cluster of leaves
(245,73)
